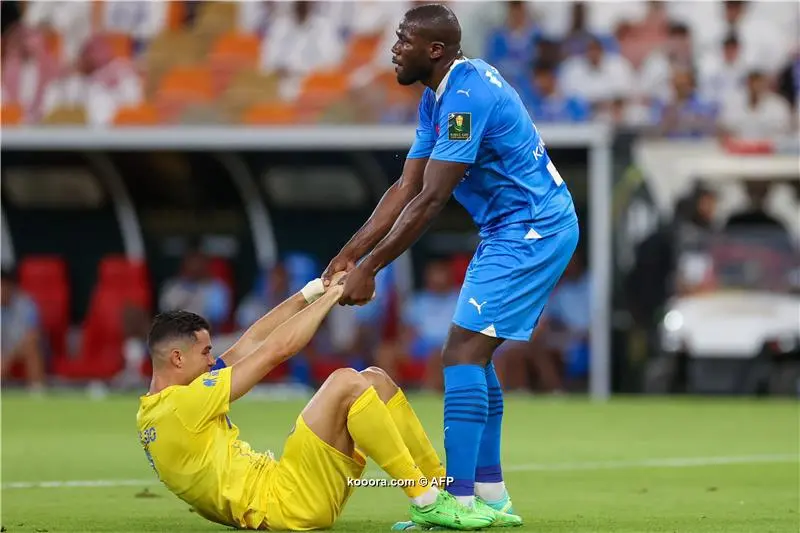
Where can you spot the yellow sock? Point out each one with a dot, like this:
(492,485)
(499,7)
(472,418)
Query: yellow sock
(414,436)
(373,431)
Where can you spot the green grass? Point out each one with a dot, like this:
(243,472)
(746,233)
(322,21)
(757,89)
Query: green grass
(547,445)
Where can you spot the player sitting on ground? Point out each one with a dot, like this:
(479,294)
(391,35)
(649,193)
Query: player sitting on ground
(195,449)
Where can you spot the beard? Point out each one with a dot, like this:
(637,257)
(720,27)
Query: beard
(406,77)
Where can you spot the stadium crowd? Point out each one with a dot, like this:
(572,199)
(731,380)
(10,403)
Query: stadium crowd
(676,68)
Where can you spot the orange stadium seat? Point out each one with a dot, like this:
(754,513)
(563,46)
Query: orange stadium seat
(266,113)
(139,115)
(321,89)
(121,44)
(182,86)
(192,83)
(11,115)
(231,53)
(45,279)
(361,50)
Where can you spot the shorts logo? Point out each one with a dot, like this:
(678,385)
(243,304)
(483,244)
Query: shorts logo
(459,126)
(478,306)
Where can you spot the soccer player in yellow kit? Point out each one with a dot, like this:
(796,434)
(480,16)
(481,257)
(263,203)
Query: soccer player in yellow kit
(195,450)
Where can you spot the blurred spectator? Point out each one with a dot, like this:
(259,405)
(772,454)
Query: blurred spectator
(578,38)
(27,69)
(560,342)
(655,74)
(511,47)
(670,261)
(141,20)
(271,288)
(546,103)
(686,114)
(688,255)
(598,77)
(366,17)
(301,39)
(756,214)
(195,290)
(722,72)
(652,30)
(71,21)
(101,83)
(789,79)
(21,333)
(756,112)
(426,320)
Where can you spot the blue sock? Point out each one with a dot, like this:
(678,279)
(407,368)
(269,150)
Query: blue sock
(488,469)
(465,409)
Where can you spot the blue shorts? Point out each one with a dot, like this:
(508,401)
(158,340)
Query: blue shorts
(510,279)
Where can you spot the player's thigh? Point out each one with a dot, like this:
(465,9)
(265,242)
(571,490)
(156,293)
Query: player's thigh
(309,487)
(507,286)
(326,412)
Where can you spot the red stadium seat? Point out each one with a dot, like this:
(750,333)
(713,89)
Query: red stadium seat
(322,368)
(45,279)
(411,372)
(121,282)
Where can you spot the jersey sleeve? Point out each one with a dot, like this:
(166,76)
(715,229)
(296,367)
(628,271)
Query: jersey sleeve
(463,122)
(425,137)
(205,398)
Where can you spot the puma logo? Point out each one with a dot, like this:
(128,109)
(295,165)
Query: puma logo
(478,306)
(464,91)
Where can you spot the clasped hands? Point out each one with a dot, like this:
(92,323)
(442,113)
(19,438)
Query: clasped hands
(358,284)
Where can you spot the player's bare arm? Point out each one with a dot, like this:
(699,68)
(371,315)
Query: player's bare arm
(380,222)
(282,343)
(439,181)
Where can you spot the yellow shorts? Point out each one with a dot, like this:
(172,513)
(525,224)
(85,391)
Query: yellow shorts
(308,488)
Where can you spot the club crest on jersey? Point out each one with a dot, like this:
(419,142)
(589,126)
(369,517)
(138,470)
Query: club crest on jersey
(459,126)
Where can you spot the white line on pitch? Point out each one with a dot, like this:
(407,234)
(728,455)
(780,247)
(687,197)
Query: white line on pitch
(676,462)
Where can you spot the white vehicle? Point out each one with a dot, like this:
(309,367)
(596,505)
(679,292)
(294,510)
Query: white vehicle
(732,325)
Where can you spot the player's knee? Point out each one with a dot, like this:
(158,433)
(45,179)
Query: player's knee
(348,384)
(382,382)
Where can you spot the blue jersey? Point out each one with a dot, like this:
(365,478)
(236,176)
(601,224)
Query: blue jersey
(476,117)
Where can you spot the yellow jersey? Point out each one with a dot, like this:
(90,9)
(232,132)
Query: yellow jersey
(194,449)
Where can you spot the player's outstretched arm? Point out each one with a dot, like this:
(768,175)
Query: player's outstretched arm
(439,181)
(260,330)
(282,343)
(382,218)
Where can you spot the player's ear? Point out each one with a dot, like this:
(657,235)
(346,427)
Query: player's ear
(436,50)
(176,356)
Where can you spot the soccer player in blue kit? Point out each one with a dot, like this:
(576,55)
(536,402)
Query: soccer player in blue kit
(476,141)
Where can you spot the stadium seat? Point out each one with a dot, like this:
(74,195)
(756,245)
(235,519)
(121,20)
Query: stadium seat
(63,116)
(247,88)
(139,115)
(320,89)
(182,86)
(231,53)
(121,283)
(214,19)
(45,279)
(411,372)
(12,115)
(322,368)
(188,82)
(166,51)
(361,50)
(267,113)
(121,44)
(459,265)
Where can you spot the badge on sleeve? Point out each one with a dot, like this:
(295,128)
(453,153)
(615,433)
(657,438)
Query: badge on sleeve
(459,126)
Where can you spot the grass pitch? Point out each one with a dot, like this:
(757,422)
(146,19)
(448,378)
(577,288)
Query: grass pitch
(628,466)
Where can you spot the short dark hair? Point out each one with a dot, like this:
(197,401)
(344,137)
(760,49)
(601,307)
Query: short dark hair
(175,324)
(678,28)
